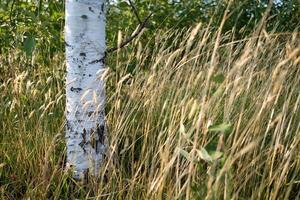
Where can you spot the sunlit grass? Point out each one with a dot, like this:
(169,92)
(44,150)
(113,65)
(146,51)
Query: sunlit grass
(204,117)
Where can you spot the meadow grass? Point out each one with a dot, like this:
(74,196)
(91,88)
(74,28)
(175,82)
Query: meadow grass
(196,114)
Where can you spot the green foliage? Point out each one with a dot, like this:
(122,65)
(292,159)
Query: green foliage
(224,127)
(24,20)
(169,137)
(219,78)
(29,45)
(159,115)
(44,20)
(184,13)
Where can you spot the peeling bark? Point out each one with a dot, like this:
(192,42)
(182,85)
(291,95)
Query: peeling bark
(85,96)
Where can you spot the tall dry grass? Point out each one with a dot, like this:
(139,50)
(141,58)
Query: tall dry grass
(199,115)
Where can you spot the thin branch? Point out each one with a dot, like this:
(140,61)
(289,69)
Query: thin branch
(135,11)
(134,35)
(11,11)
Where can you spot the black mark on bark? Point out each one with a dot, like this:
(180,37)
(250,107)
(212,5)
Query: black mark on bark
(82,54)
(102,7)
(97,61)
(91,9)
(81,35)
(83,142)
(77,114)
(90,113)
(97,137)
(71,152)
(68,125)
(100,133)
(84,135)
(84,16)
(66,44)
(75,89)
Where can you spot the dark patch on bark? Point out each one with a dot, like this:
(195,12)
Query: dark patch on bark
(82,54)
(83,142)
(84,16)
(75,89)
(68,125)
(71,152)
(91,9)
(90,75)
(97,61)
(79,66)
(100,132)
(102,7)
(66,44)
(77,113)
(97,137)
(84,136)
(81,35)
(90,113)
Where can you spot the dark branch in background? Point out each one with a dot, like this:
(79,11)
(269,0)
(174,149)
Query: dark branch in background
(139,29)
(135,11)
(11,11)
(134,35)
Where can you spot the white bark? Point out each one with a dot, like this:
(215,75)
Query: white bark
(85,96)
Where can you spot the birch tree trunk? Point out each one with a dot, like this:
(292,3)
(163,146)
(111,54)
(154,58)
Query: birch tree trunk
(85,96)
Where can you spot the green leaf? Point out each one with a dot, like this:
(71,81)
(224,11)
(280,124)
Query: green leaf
(216,155)
(224,127)
(204,155)
(219,78)
(29,45)
(212,145)
(209,157)
(123,4)
(185,154)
